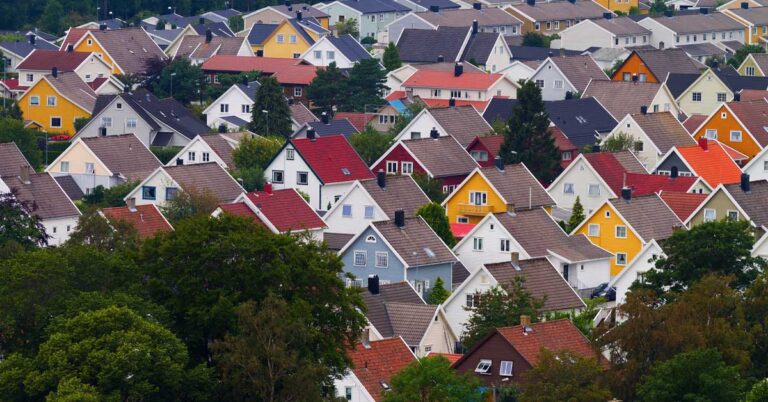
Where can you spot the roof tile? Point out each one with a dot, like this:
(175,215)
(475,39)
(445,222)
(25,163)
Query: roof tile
(649,216)
(147,219)
(442,156)
(542,280)
(378,362)
(332,159)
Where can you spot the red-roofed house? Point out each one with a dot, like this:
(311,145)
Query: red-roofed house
(374,364)
(323,168)
(647,184)
(146,219)
(280,211)
(41,62)
(10,88)
(708,160)
(458,84)
(682,204)
(568,150)
(485,148)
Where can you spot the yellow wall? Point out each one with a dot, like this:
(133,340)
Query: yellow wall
(77,155)
(631,245)
(95,48)
(754,38)
(286,49)
(454,206)
(747,145)
(615,5)
(42,114)
(749,62)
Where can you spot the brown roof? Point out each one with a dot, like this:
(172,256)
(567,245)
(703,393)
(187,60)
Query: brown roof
(129,48)
(579,70)
(147,219)
(206,177)
(464,17)
(410,321)
(11,159)
(517,186)
(542,280)
(754,115)
(621,98)
(378,362)
(416,242)
(460,274)
(553,335)
(561,10)
(442,156)
(44,193)
(75,89)
(762,60)
(400,192)
(463,123)
(670,60)
(301,114)
(336,241)
(754,203)
(41,59)
(649,216)
(195,46)
(664,130)
(693,122)
(621,26)
(222,146)
(388,306)
(683,204)
(123,154)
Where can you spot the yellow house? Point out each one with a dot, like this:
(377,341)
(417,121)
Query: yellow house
(623,226)
(754,65)
(56,101)
(755,21)
(495,189)
(618,5)
(291,39)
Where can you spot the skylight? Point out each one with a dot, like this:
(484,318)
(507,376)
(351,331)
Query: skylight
(345,171)
(581,119)
(429,252)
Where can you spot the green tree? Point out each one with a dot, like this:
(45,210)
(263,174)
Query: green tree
(742,54)
(658,7)
(110,197)
(433,188)
(371,144)
(366,86)
(564,376)
(527,137)
(72,390)
(21,229)
(80,122)
(50,20)
(434,214)
(13,130)
(621,141)
(236,23)
(406,117)
(431,379)
(759,392)
(92,229)
(700,375)
(577,215)
(438,294)
(500,306)
(189,203)
(535,39)
(328,90)
(270,113)
(347,27)
(179,80)
(391,58)
(252,179)
(11,110)
(256,152)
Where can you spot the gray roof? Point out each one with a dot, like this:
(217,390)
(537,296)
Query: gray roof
(400,192)
(649,216)
(416,242)
(579,70)
(123,154)
(306,10)
(168,35)
(375,6)
(397,310)
(702,49)
(622,97)
(260,32)
(480,47)
(301,114)
(216,28)
(464,17)
(463,123)
(754,202)
(169,111)
(334,127)
(24,48)
(227,13)
(664,130)
(441,156)
(542,280)
(222,146)
(336,241)
(350,47)
(234,120)
(75,89)
(460,274)
(425,45)
(561,10)
(699,23)
(196,47)
(518,186)
(70,187)
(130,48)
(43,192)
(622,26)
(11,159)
(208,177)
(671,60)
(250,89)
(678,83)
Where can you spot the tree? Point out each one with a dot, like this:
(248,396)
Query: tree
(438,294)
(433,188)
(577,215)
(236,23)
(658,7)
(434,214)
(189,203)
(621,141)
(328,90)
(527,138)
(256,152)
(347,27)
(431,379)
(80,122)
(564,376)
(700,375)
(50,20)
(406,117)
(371,144)
(366,86)
(72,390)
(277,118)
(391,58)
(93,229)
(179,80)
(11,110)
(13,130)
(535,39)
(252,179)
(263,359)
(742,54)
(500,306)
(21,228)
(111,197)
(759,392)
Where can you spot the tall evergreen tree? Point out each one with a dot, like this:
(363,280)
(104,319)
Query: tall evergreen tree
(271,114)
(328,89)
(527,137)
(439,293)
(50,20)
(366,85)
(434,214)
(391,58)
(577,215)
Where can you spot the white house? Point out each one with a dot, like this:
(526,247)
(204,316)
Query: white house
(210,148)
(559,75)
(693,29)
(517,71)
(757,168)
(609,32)
(233,106)
(580,179)
(345,51)
(641,264)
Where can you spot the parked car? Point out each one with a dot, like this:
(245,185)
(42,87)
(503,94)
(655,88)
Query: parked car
(60,137)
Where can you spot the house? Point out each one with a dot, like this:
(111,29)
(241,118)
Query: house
(402,249)
(484,149)
(552,18)
(292,38)
(128,50)
(396,78)
(654,134)
(489,19)
(171,20)
(682,204)
(396,310)
(440,158)
(623,226)
(374,200)
(45,199)
(39,63)
(709,160)
(221,15)
(10,88)
(199,48)
(233,107)
(278,13)
(202,31)
(344,50)
(165,37)
(507,353)
(699,93)
(583,121)
(635,270)
(495,189)
(702,52)
(559,76)
(104,161)
(280,211)
(518,70)
(757,168)
(146,219)
(687,29)
(755,64)
(463,123)
(653,65)
(326,127)
(15,52)
(11,159)
(257,34)
(744,123)
(324,168)
(744,201)
(158,122)
(542,281)
(372,16)
(165,182)
(607,32)
(205,148)
(300,115)
(360,120)
(753,19)
(67,98)
(621,98)
(374,363)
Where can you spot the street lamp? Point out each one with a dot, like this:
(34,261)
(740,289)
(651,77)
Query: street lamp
(266,112)
(4,76)
(172,75)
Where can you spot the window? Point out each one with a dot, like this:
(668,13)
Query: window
(64,166)
(607,214)
(34,100)
(170,193)
(392,167)
(593,230)
(290,154)
(130,122)
(733,215)
(621,232)
(558,84)
(292,39)
(407,167)
(639,146)
(480,156)
(504,246)
(148,193)
(206,157)
(348,393)
(621,258)
(370,239)
(464,219)
(594,190)
(89,168)
(568,188)
(106,122)
(477,243)
(277,176)
(557,24)
(346,210)
(478,198)
(55,122)
(721,97)
(330,54)
(642,77)
(119,106)
(415,135)
(191,156)
(750,71)
(567,155)
(735,136)
(245,108)
(30,77)
(709,215)
(537,26)
(318,54)
(382,259)
(627,76)
(302,178)
(51,101)
(280,38)
(549,26)
(296,55)
(696,96)
(361,258)
(90,42)
(298,91)
(470,301)
(710,134)
(484,367)
(540,83)
(505,368)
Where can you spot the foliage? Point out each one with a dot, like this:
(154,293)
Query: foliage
(12,130)
(405,119)
(50,20)
(215,90)
(252,178)
(527,137)
(371,144)
(658,7)
(11,109)
(93,229)
(80,122)
(347,27)
(499,125)
(180,80)
(742,54)
(368,40)
(72,390)
(431,379)
(100,197)
(438,294)
(715,61)
(164,154)
(263,359)
(256,152)
(391,58)
(366,86)
(21,229)
(277,119)
(584,319)
(189,203)
(433,188)
(618,142)
(577,215)
(615,66)
(434,214)
(236,23)
(500,306)
(564,376)
(700,375)
(759,392)
(536,39)
(328,90)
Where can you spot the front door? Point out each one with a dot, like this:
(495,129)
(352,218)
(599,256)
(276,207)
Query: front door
(565,272)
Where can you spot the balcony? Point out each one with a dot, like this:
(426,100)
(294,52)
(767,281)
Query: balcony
(476,210)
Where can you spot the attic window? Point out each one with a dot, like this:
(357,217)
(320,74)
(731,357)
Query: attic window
(345,171)
(370,239)
(484,367)
(131,51)
(384,386)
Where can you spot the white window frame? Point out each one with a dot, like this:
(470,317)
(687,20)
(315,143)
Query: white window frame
(617,232)
(505,368)
(392,167)
(406,167)
(64,166)
(593,230)
(709,211)
(484,367)
(477,244)
(34,100)
(344,209)
(362,254)
(589,190)
(732,211)
(738,133)
(711,134)
(61,122)
(568,188)
(384,255)
(504,245)
(368,212)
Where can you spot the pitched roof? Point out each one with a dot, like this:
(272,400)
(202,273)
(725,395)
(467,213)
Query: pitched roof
(425,45)
(304,8)
(358,119)
(664,130)
(379,361)
(350,47)
(679,82)
(578,10)
(752,202)
(489,16)
(375,6)
(562,142)
(147,219)
(621,26)
(670,60)
(70,187)
(301,114)
(447,79)
(249,89)
(73,35)
(693,122)
(222,146)
(24,48)
(754,116)
(649,216)
(73,88)
(621,98)
(442,156)
(754,94)
(337,126)
(227,13)
(441,4)
(613,166)
(542,280)
(518,186)
(129,48)
(579,70)
(260,32)
(533,53)
(196,46)
(714,165)
(286,209)
(11,159)
(762,61)
(332,159)
(703,50)
(736,82)
(699,23)
(217,29)
(43,192)
(169,111)
(459,273)
(681,203)
(580,119)
(208,177)
(463,123)
(552,335)
(415,242)
(41,59)
(492,143)
(754,15)
(400,293)
(123,154)
(266,65)
(336,241)
(400,192)
(499,109)
(645,184)
(480,47)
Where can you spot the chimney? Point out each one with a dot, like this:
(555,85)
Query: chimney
(24,174)
(103,27)
(477,6)
(298,15)
(179,161)
(268,188)
(373,284)
(452,102)
(70,48)
(704,10)
(745,5)
(434,9)
(126,89)
(311,134)
(475,27)
(458,69)
(499,163)
(290,8)
(525,320)
(324,117)
(32,39)
(608,15)
(434,134)
(400,218)
(703,143)
(131,203)
(208,36)
(440,59)
(644,109)
(626,193)
(381,178)
(55,72)
(737,96)
(745,182)
(531,2)
(674,172)
(514,258)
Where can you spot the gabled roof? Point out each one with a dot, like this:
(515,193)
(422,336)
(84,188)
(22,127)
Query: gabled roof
(542,281)
(492,143)
(499,109)
(754,116)
(123,154)
(220,29)
(693,122)
(621,26)
(23,48)
(375,6)
(260,32)
(680,82)
(463,123)
(581,120)
(714,165)
(349,47)
(129,48)
(646,184)
(400,293)
(761,60)
(400,192)
(425,45)
(226,13)
(196,47)
(699,23)
(334,127)
(613,166)
(533,53)
(554,11)
(169,111)
(336,241)
(682,204)
(447,80)
(11,159)
(649,217)
(47,199)
(208,177)
(579,70)
(304,8)
(286,210)
(358,119)
(416,243)
(377,362)
(664,130)
(517,186)
(753,202)
(332,159)
(146,219)
(222,146)
(70,187)
(736,82)
(70,86)
(249,89)
(553,335)
(286,71)
(487,16)
(670,60)
(441,157)
(753,15)
(72,37)
(480,47)
(622,97)
(754,94)
(45,60)
(703,50)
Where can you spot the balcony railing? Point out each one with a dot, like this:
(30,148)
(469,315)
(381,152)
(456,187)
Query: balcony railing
(471,209)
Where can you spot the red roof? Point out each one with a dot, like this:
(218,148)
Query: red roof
(562,142)
(286,210)
(45,60)
(461,230)
(241,209)
(98,82)
(73,35)
(286,71)
(379,362)
(13,84)
(446,79)
(395,95)
(753,94)
(492,143)
(553,335)
(714,165)
(478,105)
(693,122)
(359,120)
(734,154)
(647,184)
(147,219)
(332,159)
(682,204)
(452,357)
(609,168)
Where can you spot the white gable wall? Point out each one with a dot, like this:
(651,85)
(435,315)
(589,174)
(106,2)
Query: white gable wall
(324,47)
(581,175)
(421,124)
(649,157)
(499,57)
(160,181)
(235,100)
(290,169)
(555,84)
(358,198)
(492,232)
(455,311)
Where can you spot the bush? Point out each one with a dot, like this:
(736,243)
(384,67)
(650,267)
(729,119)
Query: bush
(165,154)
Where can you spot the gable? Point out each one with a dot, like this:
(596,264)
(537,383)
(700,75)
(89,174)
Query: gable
(88,43)
(720,202)
(673,160)
(77,154)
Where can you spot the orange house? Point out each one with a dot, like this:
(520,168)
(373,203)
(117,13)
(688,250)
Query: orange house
(653,65)
(632,66)
(739,125)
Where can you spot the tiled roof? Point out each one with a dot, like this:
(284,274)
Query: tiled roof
(359,120)
(580,119)
(646,184)
(553,335)
(754,116)
(442,4)
(207,177)
(11,159)
(75,89)
(350,47)
(762,61)
(217,29)
(13,84)
(47,199)
(147,219)
(337,126)
(425,45)
(542,281)
(378,362)
(622,97)
(227,13)
(754,15)
(451,357)
(73,35)
(430,103)
(682,204)
(260,32)
(612,167)
(410,321)
(561,10)
(753,202)
(737,83)
(463,123)
(196,47)
(375,6)
(267,65)
(222,146)
(332,159)
(499,109)
(400,192)
(287,210)
(713,165)
(447,79)
(459,273)
(703,50)
(699,23)
(533,53)
(168,111)
(243,210)
(249,89)
(664,130)
(492,143)
(670,60)
(297,74)
(336,241)
(416,242)
(649,216)
(621,26)
(24,48)
(400,293)
(45,60)
(70,187)
(306,10)
(754,94)
(579,70)
(301,114)
(693,122)
(562,142)
(97,83)
(518,186)
(441,156)
(123,154)
(491,17)
(129,48)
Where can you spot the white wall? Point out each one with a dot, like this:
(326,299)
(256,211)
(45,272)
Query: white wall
(235,99)
(59,229)
(358,198)
(649,157)
(499,57)
(584,35)
(324,46)
(332,192)
(638,265)
(584,275)
(455,313)
(423,124)
(491,253)
(290,169)
(199,148)
(581,175)
(160,181)
(550,74)
(359,394)
(438,337)
(758,167)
